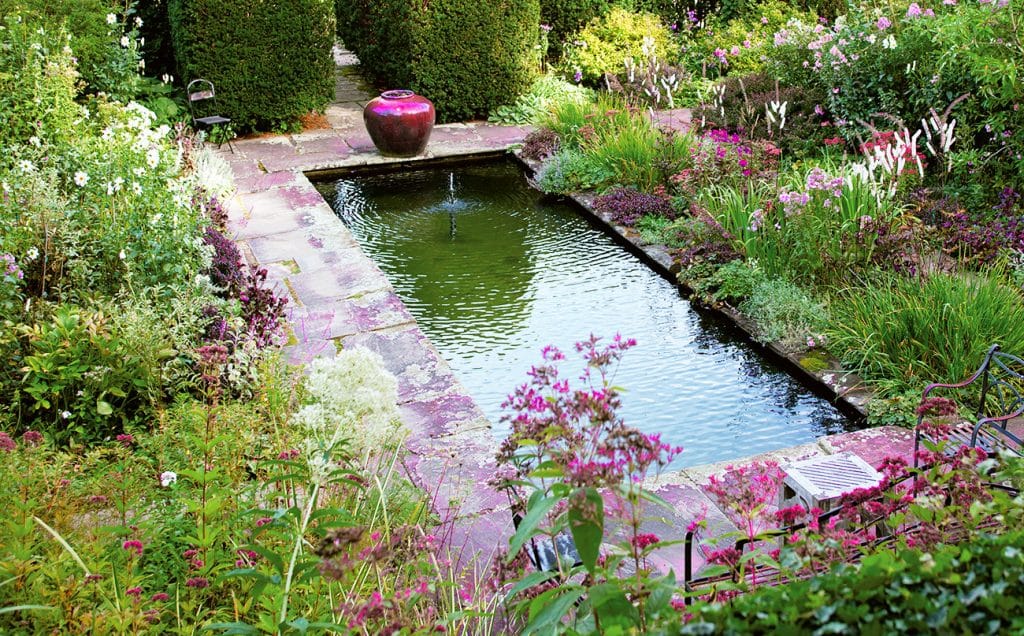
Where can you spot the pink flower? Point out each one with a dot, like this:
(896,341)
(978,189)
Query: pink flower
(884,23)
(125,440)
(198,582)
(642,541)
(134,591)
(159,596)
(914,10)
(133,545)
(33,438)
(6,443)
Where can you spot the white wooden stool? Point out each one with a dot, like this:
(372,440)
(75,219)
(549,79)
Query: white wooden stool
(820,481)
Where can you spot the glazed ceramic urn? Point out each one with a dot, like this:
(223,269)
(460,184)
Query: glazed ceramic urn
(399,122)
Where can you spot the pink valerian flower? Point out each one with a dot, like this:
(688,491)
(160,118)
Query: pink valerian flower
(729,557)
(746,492)
(914,10)
(198,582)
(791,515)
(133,545)
(159,596)
(125,439)
(937,406)
(134,592)
(883,23)
(32,438)
(6,443)
(641,541)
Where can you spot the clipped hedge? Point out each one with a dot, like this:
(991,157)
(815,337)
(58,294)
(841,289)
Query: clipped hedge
(976,587)
(466,56)
(270,61)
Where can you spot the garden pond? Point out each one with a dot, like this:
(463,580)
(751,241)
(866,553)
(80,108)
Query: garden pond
(493,270)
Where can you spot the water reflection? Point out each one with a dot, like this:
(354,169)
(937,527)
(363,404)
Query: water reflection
(493,273)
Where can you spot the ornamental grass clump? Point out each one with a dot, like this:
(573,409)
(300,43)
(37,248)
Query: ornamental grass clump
(906,332)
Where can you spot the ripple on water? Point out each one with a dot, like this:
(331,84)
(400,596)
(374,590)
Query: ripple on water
(492,273)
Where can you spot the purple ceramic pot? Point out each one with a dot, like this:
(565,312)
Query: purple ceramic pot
(399,122)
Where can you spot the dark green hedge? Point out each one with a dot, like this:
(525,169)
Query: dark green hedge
(466,56)
(270,61)
(973,588)
(566,17)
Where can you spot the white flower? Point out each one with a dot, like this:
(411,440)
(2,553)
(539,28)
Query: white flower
(167,478)
(352,397)
(121,255)
(65,414)
(138,22)
(136,188)
(125,41)
(32,254)
(166,79)
(138,171)
(107,134)
(26,166)
(153,157)
(111,18)
(81,178)
(35,141)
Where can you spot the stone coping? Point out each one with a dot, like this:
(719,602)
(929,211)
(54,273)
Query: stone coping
(340,298)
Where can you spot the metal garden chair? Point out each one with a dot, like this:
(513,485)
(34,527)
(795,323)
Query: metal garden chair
(202,104)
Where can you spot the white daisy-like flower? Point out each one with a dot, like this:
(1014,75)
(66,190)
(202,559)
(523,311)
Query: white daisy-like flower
(153,157)
(121,255)
(107,134)
(65,414)
(111,18)
(81,178)
(125,41)
(167,478)
(35,141)
(26,166)
(136,188)
(138,22)
(32,254)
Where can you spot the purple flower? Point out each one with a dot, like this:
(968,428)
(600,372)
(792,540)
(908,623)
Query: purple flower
(884,23)
(577,76)
(133,545)
(198,582)
(914,10)
(6,443)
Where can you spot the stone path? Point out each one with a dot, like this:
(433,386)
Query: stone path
(340,298)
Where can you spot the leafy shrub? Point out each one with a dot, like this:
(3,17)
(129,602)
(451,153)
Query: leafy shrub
(947,589)
(909,331)
(733,282)
(783,312)
(606,41)
(380,33)
(467,57)
(566,17)
(471,56)
(104,62)
(540,144)
(743,103)
(531,107)
(270,68)
(626,206)
(569,171)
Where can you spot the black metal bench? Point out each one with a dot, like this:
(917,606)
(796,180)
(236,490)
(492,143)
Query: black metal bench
(998,386)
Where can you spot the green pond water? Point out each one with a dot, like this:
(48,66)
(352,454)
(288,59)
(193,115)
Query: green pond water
(493,272)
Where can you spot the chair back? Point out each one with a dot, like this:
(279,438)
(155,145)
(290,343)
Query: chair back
(1002,389)
(202,98)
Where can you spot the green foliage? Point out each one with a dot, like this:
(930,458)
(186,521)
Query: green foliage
(87,374)
(566,17)
(270,68)
(380,33)
(466,57)
(953,589)
(732,282)
(783,312)
(532,107)
(569,171)
(910,331)
(37,85)
(603,45)
(471,56)
(104,62)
